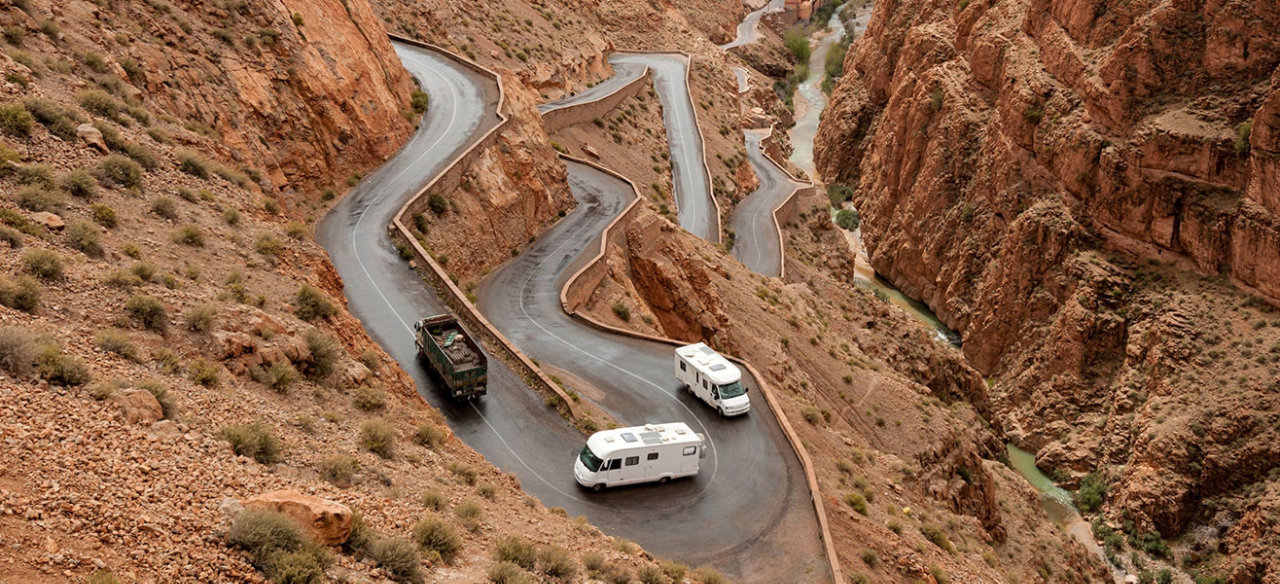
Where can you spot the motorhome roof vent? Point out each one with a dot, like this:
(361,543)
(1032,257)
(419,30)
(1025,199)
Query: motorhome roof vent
(628,436)
(717,367)
(608,438)
(680,431)
(648,427)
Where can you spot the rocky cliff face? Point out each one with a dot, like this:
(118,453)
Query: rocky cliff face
(1087,191)
(301,91)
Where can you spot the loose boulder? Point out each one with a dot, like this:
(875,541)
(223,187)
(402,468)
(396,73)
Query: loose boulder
(138,406)
(328,521)
(93,137)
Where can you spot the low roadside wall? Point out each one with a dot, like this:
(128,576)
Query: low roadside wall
(434,273)
(580,113)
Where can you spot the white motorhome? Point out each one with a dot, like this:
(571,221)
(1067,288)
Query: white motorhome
(712,378)
(625,456)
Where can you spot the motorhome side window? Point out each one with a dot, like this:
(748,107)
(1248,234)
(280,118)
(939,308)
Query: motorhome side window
(683,367)
(615,464)
(652,456)
(690,450)
(633,460)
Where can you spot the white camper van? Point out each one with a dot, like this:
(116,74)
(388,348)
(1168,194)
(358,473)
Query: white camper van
(713,378)
(624,456)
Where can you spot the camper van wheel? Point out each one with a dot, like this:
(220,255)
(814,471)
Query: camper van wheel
(597,487)
(664,480)
(720,410)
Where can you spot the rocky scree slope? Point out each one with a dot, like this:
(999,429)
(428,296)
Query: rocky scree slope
(172,342)
(1087,191)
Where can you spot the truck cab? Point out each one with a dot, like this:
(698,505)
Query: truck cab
(712,378)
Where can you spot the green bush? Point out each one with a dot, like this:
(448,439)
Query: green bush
(17,351)
(120,170)
(192,163)
(464,473)
(651,574)
(164,207)
(469,512)
(103,215)
(190,235)
(280,376)
(14,35)
(325,353)
(204,372)
(420,101)
(369,399)
(267,244)
(231,217)
(797,43)
(142,155)
(709,575)
(58,368)
(508,573)
(1093,491)
(379,437)
(110,136)
(145,271)
(59,122)
(79,183)
(838,194)
(310,304)
(936,535)
(848,219)
(149,312)
(437,203)
(20,293)
(296,230)
(339,469)
(37,198)
(102,577)
(85,237)
(116,341)
(11,236)
(201,318)
(674,570)
(857,502)
(168,405)
(15,120)
(279,546)
(516,550)
(397,556)
(434,535)
(253,440)
(43,264)
(622,311)
(36,174)
(1244,132)
(430,435)
(434,501)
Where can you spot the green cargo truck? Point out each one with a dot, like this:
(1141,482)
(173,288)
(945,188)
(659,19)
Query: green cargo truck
(454,354)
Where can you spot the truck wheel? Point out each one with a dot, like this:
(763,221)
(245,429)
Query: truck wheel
(597,487)
(720,411)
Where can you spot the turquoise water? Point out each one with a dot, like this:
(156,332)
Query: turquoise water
(911,306)
(1056,500)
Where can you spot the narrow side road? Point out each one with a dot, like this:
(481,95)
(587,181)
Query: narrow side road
(749,508)
(698,213)
(748,29)
(757,244)
(623,73)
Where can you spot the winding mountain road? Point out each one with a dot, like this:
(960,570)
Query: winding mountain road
(748,29)
(698,214)
(748,513)
(756,242)
(623,73)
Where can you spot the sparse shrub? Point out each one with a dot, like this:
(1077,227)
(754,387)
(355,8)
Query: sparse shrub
(1244,132)
(231,217)
(145,271)
(339,469)
(99,103)
(190,235)
(508,573)
(797,43)
(192,164)
(20,293)
(60,122)
(709,575)
(434,501)
(280,376)
(1093,491)
(270,205)
(11,236)
(85,237)
(437,203)
(17,351)
(848,219)
(430,435)
(469,512)
(557,563)
(870,558)
(369,399)
(59,368)
(203,372)
(104,215)
(279,546)
(464,473)
(141,154)
(116,341)
(857,502)
(36,174)
(253,440)
(266,244)
(397,556)
(812,415)
(936,535)
(434,535)
(120,170)
(310,304)
(674,570)
(149,312)
(15,120)
(650,574)
(621,311)
(43,264)
(379,437)
(516,550)
(102,577)
(37,198)
(296,230)
(325,352)
(487,491)
(201,318)
(79,183)
(168,405)
(164,207)
(123,279)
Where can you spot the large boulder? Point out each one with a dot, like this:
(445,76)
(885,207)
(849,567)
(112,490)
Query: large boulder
(92,136)
(328,521)
(138,406)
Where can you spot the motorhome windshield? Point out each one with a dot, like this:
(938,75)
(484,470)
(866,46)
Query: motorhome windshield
(734,389)
(589,459)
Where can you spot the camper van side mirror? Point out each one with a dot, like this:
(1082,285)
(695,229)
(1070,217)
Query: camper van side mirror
(702,452)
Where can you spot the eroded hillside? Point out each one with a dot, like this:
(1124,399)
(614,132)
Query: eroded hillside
(1087,192)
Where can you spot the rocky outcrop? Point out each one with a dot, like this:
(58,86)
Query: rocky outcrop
(137,406)
(328,521)
(1069,184)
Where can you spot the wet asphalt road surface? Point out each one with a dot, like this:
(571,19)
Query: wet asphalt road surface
(756,244)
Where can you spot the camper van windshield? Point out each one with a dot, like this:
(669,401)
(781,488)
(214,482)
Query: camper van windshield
(734,389)
(589,459)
